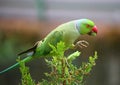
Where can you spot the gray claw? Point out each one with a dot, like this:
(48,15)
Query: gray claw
(82,43)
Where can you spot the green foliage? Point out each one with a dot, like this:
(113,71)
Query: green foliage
(26,77)
(63,71)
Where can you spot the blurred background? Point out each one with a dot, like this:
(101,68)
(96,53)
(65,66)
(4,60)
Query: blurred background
(23,22)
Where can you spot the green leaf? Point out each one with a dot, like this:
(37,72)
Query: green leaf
(73,56)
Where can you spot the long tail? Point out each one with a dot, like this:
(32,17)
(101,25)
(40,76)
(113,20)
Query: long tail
(27,59)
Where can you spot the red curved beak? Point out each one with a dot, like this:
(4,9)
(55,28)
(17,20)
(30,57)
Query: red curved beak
(93,32)
(94,29)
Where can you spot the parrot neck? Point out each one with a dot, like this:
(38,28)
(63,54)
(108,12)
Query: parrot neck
(77,26)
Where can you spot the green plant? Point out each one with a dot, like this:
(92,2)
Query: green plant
(63,71)
(26,78)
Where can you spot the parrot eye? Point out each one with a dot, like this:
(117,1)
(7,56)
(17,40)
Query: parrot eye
(88,26)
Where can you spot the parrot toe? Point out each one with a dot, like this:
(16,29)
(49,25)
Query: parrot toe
(82,44)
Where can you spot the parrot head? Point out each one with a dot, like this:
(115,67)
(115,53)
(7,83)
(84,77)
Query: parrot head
(86,26)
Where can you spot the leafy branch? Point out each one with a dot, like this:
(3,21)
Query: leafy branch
(63,71)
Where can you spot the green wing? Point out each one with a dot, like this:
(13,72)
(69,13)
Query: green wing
(53,38)
(56,37)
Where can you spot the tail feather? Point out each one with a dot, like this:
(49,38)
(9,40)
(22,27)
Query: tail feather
(9,68)
(17,64)
(32,49)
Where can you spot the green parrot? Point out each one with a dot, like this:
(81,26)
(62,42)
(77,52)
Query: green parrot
(67,32)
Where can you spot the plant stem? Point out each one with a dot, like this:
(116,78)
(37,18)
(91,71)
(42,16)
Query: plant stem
(63,71)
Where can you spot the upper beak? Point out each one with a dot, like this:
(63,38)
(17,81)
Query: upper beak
(93,31)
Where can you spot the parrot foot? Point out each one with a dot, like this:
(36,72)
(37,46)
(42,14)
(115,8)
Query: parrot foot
(81,44)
